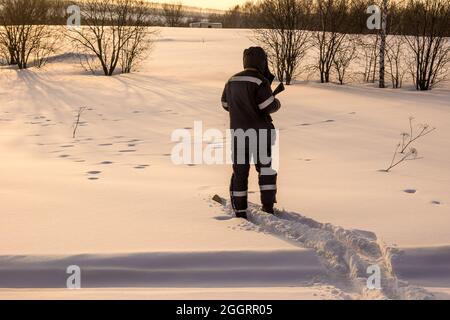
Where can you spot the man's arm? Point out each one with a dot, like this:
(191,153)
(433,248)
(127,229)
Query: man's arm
(266,100)
(224,99)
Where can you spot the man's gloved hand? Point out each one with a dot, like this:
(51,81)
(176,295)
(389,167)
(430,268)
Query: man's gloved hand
(279,89)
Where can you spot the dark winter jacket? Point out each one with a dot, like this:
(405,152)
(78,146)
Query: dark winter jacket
(248,96)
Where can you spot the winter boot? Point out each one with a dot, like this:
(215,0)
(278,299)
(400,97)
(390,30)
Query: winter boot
(268,209)
(241,214)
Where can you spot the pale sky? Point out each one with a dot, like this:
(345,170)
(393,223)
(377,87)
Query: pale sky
(213,4)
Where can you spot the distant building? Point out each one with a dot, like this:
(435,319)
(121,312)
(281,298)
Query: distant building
(206,24)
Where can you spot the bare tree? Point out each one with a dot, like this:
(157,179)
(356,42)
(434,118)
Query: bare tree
(368,45)
(395,55)
(136,49)
(47,48)
(429,22)
(285,39)
(114,31)
(331,19)
(139,45)
(384,16)
(346,53)
(24,32)
(173,14)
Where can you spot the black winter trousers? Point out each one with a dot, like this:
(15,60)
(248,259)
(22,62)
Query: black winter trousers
(259,154)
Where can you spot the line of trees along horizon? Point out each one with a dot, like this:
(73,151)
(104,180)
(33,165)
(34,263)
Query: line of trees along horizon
(116,34)
(289,29)
(250,15)
(157,14)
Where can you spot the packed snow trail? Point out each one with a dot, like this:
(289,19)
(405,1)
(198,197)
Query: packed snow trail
(346,254)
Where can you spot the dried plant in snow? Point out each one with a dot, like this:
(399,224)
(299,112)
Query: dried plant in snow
(77,121)
(409,138)
(412,154)
(404,150)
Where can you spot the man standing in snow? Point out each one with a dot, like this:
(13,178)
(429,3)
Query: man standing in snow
(249,99)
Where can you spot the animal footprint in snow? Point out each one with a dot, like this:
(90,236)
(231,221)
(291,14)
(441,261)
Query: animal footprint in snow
(93,175)
(142,166)
(223,218)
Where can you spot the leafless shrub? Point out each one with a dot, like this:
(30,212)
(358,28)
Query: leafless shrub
(113,31)
(88,61)
(396,58)
(49,46)
(327,40)
(368,45)
(429,21)
(344,56)
(136,49)
(404,150)
(24,32)
(4,56)
(285,38)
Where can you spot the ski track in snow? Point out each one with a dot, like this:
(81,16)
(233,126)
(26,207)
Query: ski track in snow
(346,254)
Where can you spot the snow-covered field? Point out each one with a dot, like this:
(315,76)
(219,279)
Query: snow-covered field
(112,202)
